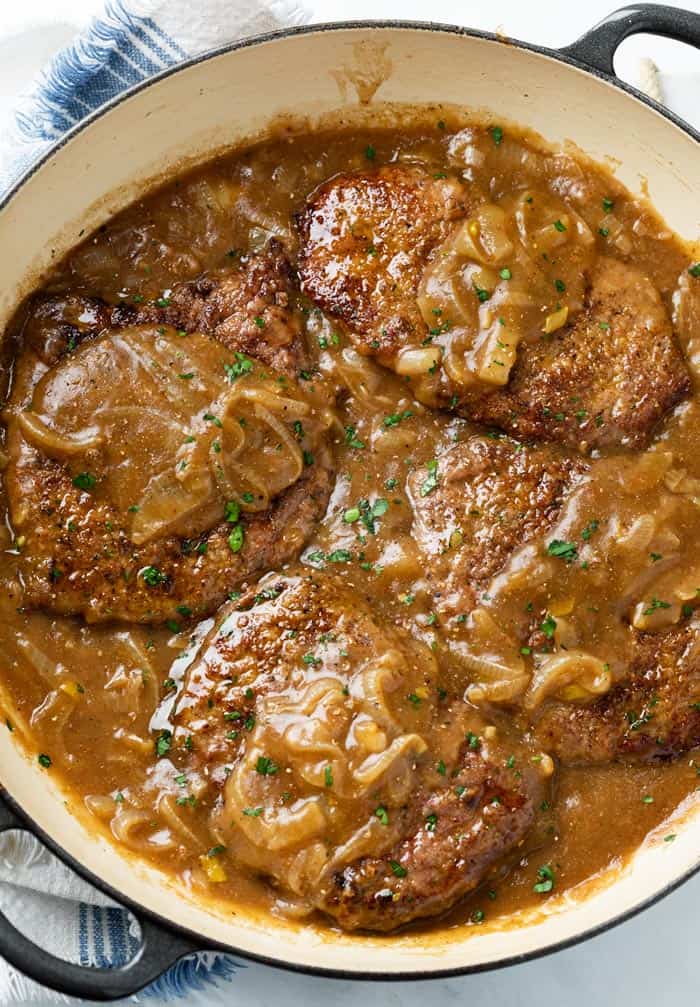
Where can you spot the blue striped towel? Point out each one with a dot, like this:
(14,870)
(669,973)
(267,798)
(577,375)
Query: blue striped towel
(129,40)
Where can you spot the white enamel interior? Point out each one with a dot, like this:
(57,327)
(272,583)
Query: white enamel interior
(216,103)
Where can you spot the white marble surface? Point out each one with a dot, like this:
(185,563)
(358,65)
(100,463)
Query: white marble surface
(652,958)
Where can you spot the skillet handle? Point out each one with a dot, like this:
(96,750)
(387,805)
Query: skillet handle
(160,948)
(596,49)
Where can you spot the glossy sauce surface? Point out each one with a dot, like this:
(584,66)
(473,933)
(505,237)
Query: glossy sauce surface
(551,617)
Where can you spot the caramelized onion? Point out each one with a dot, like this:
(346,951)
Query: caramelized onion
(54,444)
(571,675)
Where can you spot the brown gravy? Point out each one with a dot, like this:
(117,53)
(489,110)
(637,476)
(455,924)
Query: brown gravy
(93,699)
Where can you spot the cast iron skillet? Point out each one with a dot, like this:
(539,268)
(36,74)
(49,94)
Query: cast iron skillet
(163,942)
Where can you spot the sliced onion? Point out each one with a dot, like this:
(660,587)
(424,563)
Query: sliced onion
(561,671)
(55,445)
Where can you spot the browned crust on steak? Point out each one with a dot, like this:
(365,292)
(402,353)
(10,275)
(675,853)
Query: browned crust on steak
(498,495)
(436,864)
(365,240)
(78,557)
(652,715)
(249,308)
(257,646)
(606,380)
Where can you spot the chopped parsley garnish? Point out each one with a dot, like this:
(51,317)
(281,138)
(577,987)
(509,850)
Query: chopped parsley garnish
(506,274)
(545,880)
(548,626)
(398,870)
(694,270)
(481,293)
(253,812)
(232,511)
(328,776)
(236,538)
(560,286)
(352,440)
(84,481)
(163,743)
(395,418)
(265,766)
(430,483)
(243,365)
(430,823)
(382,814)
(496,134)
(563,550)
(442,768)
(370,152)
(559,226)
(152,576)
(474,741)
(44,760)
(655,604)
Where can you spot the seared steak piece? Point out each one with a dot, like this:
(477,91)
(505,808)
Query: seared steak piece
(248,308)
(365,240)
(451,837)
(263,643)
(80,559)
(606,380)
(311,727)
(477,503)
(603,374)
(653,714)
(154,469)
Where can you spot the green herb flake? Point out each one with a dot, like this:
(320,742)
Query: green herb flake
(152,576)
(236,538)
(163,743)
(232,511)
(84,481)
(548,627)
(430,483)
(545,880)
(655,604)
(563,550)
(265,766)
